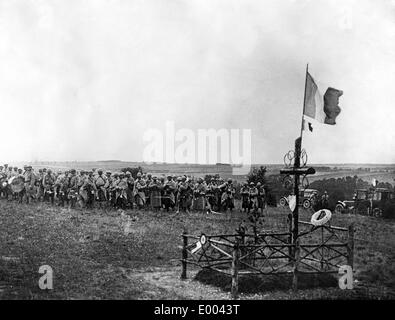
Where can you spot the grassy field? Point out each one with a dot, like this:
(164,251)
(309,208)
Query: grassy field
(94,257)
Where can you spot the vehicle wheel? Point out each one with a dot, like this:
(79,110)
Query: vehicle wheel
(283,202)
(306,204)
(377,212)
(339,208)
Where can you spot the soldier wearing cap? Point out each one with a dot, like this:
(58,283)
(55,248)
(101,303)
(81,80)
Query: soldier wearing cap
(169,189)
(48,183)
(2,180)
(14,172)
(89,191)
(261,197)
(100,182)
(113,183)
(30,180)
(211,194)
(72,190)
(121,193)
(185,195)
(20,173)
(325,200)
(9,173)
(107,186)
(59,177)
(139,191)
(64,188)
(227,198)
(245,197)
(155,193)
(39,185)
(199,195)
(253,195)
(129,190)
(148,191)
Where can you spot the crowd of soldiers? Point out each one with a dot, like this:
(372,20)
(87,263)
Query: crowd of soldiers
(96,188)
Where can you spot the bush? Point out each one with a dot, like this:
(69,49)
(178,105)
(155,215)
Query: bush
(257,175)
(133,171)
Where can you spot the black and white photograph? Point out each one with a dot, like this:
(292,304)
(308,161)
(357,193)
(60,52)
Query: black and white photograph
(197,150)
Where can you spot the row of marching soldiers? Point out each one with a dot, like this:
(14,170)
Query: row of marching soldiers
(87,189)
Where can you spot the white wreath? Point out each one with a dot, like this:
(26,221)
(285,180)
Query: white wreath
(320,222)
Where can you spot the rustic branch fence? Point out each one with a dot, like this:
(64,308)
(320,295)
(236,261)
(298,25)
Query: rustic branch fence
(321,249)
(304,248)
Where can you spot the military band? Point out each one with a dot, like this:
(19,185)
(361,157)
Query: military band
(96,188)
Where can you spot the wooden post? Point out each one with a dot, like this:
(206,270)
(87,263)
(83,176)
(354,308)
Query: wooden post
(350,246)
(184,255)
(255,242)
(295,215)
(290,228)
(296,265)
(241,240)
(235,270)
(322,249)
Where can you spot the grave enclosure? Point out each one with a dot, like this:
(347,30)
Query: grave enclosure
(303,248)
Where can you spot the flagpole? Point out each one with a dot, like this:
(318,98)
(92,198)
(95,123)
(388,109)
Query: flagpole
(304,104)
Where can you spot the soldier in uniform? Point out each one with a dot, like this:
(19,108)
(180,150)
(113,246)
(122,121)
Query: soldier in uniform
(148,191)
(129,189)
(72,190)
(325,200)
(65,188)
(59,177)
(30,180)
(139,191)
(39,185)
(9,173)
(199,192)
(121,193)
(261,197)
(88,190)
(169,189)
(155,194)
(59,188)
(14,172)
(3,183)
(227,198)
(178,181)
(20,173)
(253,194)
(107,186)
(19,195)
(113,188)
(48,183)
(184,190)
(100,182)
(245,198)
(219,192)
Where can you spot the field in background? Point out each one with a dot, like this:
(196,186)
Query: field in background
(383,173)
(94,257)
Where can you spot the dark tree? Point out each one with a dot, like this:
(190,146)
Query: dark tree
(133,171)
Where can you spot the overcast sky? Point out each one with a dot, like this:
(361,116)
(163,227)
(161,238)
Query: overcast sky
(83,80)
